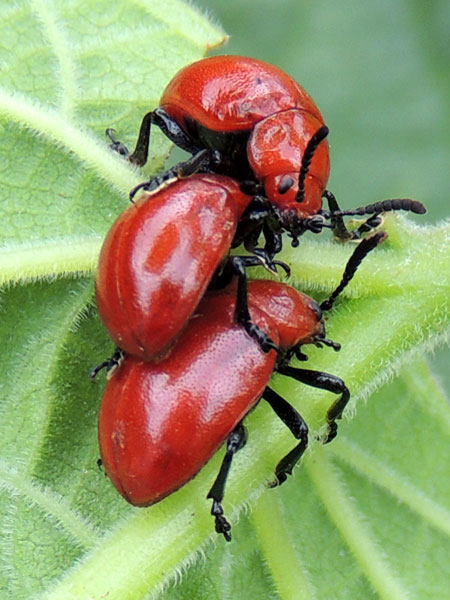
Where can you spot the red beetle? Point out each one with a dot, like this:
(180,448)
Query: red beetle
(159,257)
(160,423)
(248,119)
(263,117)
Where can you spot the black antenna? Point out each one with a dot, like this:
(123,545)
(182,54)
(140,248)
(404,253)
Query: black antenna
(407,204)
(361,251)
(310,150)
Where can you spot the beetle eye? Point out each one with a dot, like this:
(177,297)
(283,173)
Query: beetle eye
(285,185)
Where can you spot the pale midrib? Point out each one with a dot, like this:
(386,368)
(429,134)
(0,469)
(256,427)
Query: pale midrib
(392,482)
(52,504)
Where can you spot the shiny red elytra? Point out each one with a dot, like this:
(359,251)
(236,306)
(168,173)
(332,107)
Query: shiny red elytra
(160,255)
(159,423)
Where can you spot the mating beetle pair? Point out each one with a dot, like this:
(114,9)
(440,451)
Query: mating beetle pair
(161,422)
(193,367)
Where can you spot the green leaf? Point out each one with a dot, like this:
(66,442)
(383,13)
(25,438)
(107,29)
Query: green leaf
(362,514)
(92,66)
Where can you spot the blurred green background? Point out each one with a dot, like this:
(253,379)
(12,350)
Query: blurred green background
(380,74)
